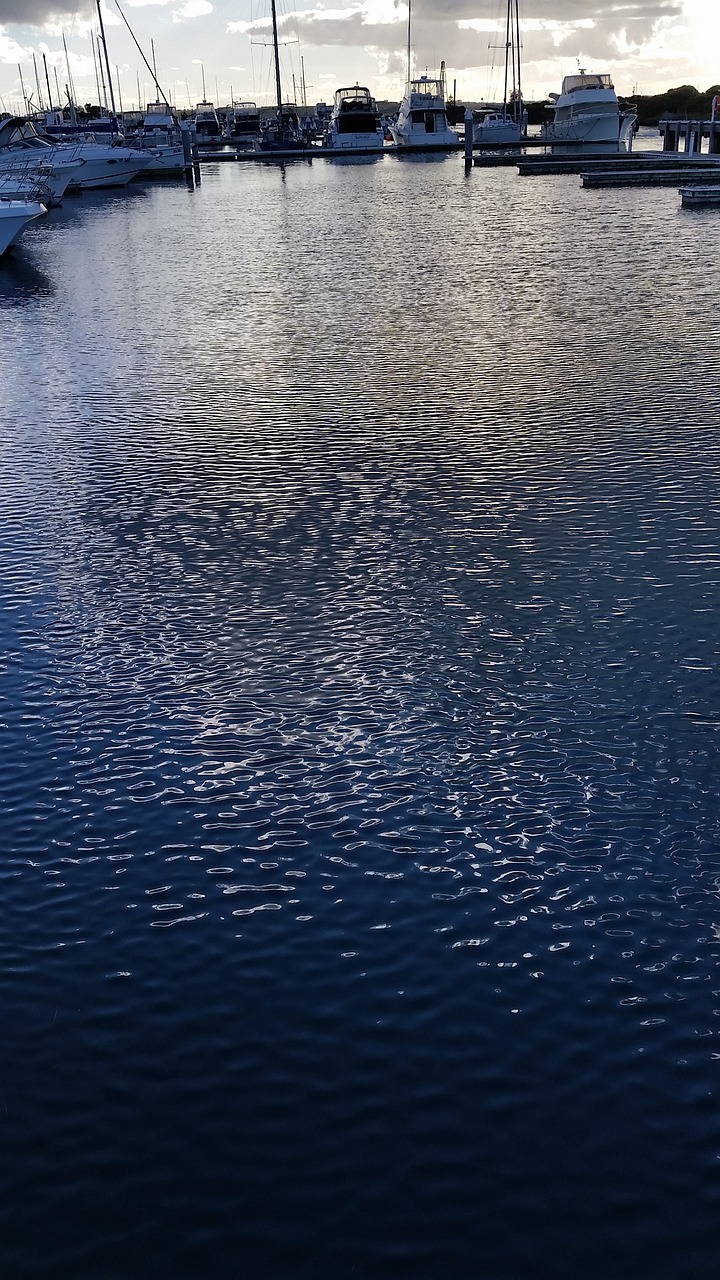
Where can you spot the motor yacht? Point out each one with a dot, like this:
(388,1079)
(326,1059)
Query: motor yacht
(355,121)
(160,136)
(422,118)
(242,123)
(15,215)
(207,125)
(103,166)
(587,110)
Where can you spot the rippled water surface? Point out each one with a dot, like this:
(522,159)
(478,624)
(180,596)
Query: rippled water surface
(359,697)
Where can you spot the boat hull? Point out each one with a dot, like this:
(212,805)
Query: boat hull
(15,215)
(497,135)
(588,127)
(355,141)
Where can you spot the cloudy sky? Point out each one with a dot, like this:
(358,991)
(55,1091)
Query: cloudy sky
(647,45)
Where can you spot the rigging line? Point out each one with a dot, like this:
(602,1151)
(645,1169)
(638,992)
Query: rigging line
(162,97)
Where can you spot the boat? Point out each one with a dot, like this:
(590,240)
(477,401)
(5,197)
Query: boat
(161,137)
(46,182)
(15,216)
(587,110)
(207,125)
(282,133)
(422,118)
(242,123)
(505,124)
(355,123)
(103,166)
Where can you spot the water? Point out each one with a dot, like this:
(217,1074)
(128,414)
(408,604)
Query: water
(360,704)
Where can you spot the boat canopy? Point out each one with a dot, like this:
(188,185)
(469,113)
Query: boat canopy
(583,81)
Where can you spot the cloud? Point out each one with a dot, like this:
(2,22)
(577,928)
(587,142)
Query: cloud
(37,13)
(192,9)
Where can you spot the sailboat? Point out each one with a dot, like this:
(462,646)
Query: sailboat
(505,124)
(422,119)
(282,133)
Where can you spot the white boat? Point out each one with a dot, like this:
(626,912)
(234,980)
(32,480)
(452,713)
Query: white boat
(207,125)
(355,122)
(587,110)
(102,166)
(505,124)
(160,137)
(242,123)
(14,217)
(23,173)
(422,118)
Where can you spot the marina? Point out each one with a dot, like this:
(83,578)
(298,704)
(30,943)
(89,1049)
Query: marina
(359,658)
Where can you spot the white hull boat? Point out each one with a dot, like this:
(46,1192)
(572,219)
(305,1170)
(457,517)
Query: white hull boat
(52,179)
(355,123)
(587,111)
(160,138)
(422,119)
(505,125)
(103,166)
(494,128)
(15,215)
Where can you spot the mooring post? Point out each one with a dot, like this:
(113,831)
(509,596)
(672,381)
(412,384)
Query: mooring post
(195,152)
(187,151)
(468,137)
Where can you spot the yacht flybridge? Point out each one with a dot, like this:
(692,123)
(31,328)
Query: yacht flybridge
(587,110)
(355,122)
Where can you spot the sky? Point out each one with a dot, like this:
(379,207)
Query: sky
(647,46)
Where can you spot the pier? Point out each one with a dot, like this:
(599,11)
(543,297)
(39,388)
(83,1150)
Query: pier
(688,136)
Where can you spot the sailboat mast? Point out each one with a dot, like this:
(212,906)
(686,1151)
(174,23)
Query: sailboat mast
(278,86)
(507,56)
(409,55)
(517,58)
(107,60)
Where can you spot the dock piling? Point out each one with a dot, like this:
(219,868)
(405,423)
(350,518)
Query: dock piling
(468,139)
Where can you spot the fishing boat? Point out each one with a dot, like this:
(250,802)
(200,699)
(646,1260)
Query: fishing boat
(15,216)
(422,118)
(355,123)
(587,110)
(505,124)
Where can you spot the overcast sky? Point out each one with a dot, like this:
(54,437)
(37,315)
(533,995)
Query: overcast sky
(647,45)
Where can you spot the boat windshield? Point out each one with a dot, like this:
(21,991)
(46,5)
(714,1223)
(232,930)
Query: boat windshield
(572,83)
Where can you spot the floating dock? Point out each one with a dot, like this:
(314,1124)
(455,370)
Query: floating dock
(663,175)
(697,197)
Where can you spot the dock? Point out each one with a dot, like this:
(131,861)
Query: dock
(699,197)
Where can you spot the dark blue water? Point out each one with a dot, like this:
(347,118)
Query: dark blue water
(359,709)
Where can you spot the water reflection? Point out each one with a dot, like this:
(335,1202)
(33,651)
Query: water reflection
(360,697)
